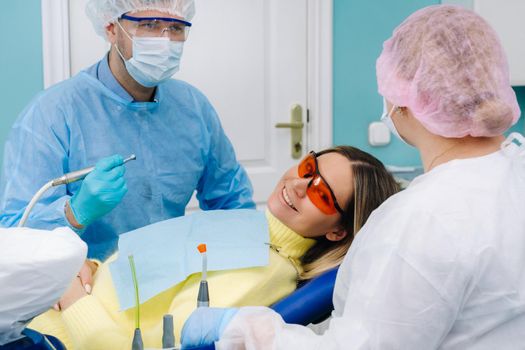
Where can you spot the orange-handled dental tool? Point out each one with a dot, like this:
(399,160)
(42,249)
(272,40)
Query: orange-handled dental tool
(203,298)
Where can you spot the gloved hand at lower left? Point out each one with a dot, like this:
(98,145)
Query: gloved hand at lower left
(101,190)
(205,326)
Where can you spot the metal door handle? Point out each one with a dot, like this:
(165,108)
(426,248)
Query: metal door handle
(296,126)
(290,125)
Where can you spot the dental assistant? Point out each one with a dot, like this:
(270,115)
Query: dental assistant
(440,264)
(125,103)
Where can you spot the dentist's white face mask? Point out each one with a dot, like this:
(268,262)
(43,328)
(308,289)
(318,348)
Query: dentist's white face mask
(387,119)
(154,59)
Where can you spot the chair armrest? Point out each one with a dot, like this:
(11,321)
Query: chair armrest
(310,302)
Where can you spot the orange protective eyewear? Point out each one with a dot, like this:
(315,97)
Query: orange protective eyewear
(318,189)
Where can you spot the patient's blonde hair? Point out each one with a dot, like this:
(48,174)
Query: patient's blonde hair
(373,184)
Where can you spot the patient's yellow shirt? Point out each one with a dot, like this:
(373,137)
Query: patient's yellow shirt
(95,322)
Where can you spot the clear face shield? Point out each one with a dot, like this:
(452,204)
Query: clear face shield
(156,27)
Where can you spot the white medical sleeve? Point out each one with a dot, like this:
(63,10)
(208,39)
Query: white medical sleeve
(36,267)
(400,287)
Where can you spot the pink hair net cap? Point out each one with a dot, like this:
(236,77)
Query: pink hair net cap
(103,12)
(446,64)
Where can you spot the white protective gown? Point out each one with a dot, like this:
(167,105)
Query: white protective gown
(36,267)
(440,265)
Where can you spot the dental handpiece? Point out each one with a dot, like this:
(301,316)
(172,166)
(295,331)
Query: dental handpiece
(203,298)
(62,180)
(80,174)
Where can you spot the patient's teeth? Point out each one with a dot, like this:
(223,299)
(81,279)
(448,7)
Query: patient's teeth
(287,198)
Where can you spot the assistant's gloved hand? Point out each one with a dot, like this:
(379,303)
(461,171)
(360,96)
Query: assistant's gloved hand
(101,190)
(205,326)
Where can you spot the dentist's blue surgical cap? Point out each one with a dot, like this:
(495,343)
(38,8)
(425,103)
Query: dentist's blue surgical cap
(103,12)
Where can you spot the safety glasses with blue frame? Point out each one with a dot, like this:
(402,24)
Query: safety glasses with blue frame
(177,29)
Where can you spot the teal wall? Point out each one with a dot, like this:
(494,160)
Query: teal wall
(20,59)
(360,28)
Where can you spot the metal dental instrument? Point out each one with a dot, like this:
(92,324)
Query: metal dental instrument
(80,174)
(203,299)
(137,343)
(64,179)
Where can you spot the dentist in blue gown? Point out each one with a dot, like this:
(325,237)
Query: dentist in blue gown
(125,103)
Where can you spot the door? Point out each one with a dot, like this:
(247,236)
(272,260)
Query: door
(254,60)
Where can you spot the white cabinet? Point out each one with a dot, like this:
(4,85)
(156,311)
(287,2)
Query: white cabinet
(507,18)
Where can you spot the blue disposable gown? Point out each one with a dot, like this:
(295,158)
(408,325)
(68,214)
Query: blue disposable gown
(178,139)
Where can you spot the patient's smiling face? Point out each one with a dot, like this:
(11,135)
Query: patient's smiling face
(291,205)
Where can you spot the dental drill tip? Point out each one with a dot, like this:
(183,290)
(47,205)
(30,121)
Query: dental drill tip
(131,157)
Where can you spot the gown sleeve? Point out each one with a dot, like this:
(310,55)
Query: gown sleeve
(36,152)
(224,184)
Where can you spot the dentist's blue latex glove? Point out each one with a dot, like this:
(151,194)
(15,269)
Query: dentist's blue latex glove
(100,191)
(205,326)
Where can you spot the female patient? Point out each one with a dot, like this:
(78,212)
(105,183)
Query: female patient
(313,214)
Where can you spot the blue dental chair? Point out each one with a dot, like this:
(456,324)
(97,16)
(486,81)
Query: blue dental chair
(33,340)
(310,303)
